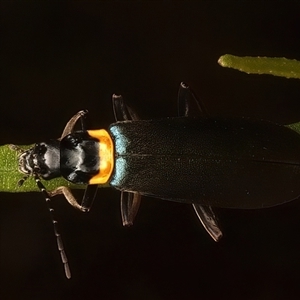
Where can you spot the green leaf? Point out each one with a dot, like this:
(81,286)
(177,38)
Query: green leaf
(10,175)
(277,66)
(294,126)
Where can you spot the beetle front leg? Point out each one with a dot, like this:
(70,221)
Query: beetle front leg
(71,124)
(68,195)
(87,200)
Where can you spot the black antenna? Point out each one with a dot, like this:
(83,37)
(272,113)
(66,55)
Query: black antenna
(60,245)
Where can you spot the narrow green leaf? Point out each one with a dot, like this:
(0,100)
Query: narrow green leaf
(277,66)
(294,126)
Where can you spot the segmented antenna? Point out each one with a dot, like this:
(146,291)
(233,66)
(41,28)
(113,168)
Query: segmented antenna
(60,245)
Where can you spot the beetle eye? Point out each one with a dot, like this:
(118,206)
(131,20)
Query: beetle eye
(40,149)
(37,169)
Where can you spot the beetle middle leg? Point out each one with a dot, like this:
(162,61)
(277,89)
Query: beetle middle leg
(190,106)
(130,202)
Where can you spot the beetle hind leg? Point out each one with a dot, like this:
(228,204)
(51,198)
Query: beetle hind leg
(209,221)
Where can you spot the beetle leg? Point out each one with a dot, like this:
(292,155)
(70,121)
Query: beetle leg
(122,111)
(188,104)
(88,197)
(68,195)
(71,124)
(130,203)
(209,221)
(87,200)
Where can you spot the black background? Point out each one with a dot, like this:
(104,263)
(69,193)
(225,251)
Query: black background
(56,59)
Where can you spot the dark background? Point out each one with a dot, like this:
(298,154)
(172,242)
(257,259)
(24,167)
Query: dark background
(56,59)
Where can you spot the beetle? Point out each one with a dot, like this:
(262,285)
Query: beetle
(193,158)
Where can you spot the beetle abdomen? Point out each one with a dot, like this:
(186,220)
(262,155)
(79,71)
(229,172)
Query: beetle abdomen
(224,163)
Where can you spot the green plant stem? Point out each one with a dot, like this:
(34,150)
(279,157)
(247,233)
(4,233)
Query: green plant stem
(277,66)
